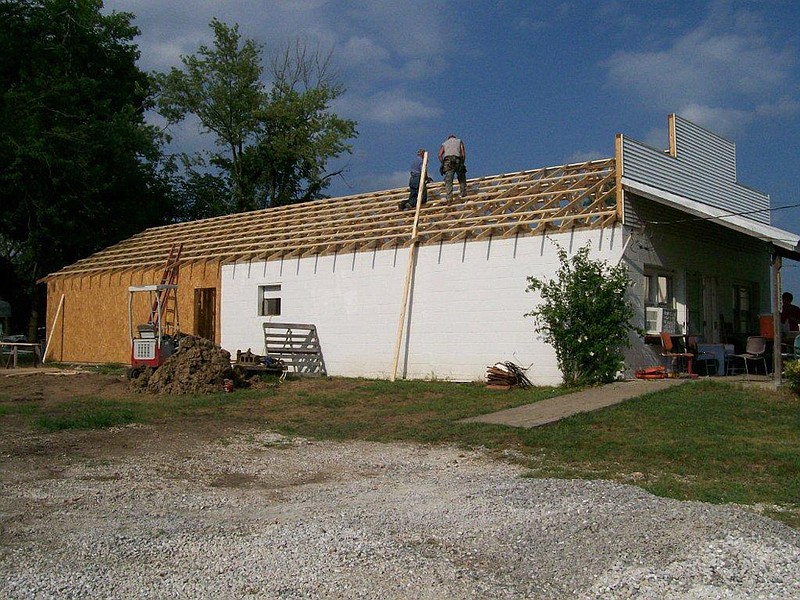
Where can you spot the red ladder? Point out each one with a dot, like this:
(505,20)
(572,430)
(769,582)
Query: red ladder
(167,299)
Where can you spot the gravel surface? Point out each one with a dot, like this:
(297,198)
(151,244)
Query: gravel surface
(262,516)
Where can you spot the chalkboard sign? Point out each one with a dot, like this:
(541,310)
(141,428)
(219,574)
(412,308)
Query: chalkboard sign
(670,321)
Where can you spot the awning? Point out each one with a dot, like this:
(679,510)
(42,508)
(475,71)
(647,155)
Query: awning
(786,243)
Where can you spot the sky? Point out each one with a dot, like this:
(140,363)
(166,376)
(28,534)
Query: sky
(525,84)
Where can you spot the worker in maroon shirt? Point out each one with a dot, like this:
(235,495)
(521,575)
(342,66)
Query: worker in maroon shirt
(790,313)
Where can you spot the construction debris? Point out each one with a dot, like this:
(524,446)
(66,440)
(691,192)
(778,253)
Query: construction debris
(505,375)
(198,367)
(249,365)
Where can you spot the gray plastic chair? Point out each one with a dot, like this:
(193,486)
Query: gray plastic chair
(754,350)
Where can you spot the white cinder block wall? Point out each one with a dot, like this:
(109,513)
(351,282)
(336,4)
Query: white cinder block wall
(466,309)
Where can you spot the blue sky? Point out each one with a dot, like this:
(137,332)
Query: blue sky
(527,84)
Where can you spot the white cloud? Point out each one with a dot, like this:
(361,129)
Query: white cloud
(389,107)
(657,138)
(586,155)
(725,121)
(728,61)
(379,46)
(360,50)
(412,29)
(784,107)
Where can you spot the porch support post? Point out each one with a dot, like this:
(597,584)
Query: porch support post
(620,194)
(777,362)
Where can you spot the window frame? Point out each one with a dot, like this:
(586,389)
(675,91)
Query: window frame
(651,273)
(269,300)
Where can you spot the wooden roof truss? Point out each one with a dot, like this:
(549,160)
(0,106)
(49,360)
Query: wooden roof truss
(551,199)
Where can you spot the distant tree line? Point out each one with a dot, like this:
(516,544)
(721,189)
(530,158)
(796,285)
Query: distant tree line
(80,167)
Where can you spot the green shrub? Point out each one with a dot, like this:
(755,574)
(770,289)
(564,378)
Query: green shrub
(585,315)
(791,371)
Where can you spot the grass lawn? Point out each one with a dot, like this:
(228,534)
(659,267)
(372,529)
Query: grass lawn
(704,441)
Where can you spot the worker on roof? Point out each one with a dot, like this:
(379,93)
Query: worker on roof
(414,181)
(453,158)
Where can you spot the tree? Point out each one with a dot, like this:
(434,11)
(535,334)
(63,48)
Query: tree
(277,142)
(299,135)
(585,315)
(297,138)
(222,87)
(78,165)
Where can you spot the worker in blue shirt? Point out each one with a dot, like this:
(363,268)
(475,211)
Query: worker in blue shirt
(414,181)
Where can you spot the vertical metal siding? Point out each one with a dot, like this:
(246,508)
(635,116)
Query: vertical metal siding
(699,146)
(704,170)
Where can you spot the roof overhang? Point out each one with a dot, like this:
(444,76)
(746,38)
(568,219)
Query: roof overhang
(785,243)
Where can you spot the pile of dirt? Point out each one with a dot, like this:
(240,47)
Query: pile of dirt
(198,367)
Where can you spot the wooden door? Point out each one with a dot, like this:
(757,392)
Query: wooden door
(702,307)
(205,313)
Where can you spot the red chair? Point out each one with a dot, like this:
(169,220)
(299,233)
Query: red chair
(667,351)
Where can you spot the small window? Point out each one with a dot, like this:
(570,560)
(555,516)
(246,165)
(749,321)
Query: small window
(269,300)
(658,290)
(659,301)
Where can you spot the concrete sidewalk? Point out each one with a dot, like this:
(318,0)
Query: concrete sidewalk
(554,409)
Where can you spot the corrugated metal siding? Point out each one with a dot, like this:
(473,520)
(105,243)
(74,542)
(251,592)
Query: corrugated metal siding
(704,170)
(696,145)
(632,217)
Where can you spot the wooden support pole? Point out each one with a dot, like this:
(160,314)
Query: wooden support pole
(777,359)
(52,329)
(620,194)
(412,255)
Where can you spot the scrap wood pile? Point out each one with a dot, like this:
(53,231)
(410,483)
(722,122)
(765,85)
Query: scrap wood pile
(248,364)
(505,375)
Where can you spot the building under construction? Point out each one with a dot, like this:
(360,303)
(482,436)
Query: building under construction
(441,292)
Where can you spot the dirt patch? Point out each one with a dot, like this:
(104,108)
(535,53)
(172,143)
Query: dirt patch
(35,385)
(198,367)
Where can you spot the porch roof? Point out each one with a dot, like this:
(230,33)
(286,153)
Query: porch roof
(786,243)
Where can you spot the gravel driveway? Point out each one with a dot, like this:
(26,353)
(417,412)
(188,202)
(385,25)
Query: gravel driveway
(261,516)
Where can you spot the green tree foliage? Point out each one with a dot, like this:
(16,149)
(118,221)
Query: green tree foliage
(276,142)
(77,162)
(585,315)
(222,87)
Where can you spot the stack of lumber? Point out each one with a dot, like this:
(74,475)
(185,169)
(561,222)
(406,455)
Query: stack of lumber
(505,375)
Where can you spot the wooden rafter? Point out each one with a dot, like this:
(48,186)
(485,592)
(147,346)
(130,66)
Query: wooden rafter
(521,203)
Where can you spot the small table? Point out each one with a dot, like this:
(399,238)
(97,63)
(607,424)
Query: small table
(720,351)
(15,347)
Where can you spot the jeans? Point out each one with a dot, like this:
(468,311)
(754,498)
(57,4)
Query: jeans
(413,190)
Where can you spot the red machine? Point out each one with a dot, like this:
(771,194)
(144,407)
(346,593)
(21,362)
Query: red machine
(156,340)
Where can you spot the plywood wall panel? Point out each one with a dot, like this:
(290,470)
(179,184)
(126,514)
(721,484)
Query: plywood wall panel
(92,326)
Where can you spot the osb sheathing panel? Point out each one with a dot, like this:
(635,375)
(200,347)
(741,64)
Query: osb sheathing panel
(92,326)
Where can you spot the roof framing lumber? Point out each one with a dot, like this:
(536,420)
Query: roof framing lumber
(519,203)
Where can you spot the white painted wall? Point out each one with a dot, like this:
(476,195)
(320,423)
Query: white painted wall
(466,310)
